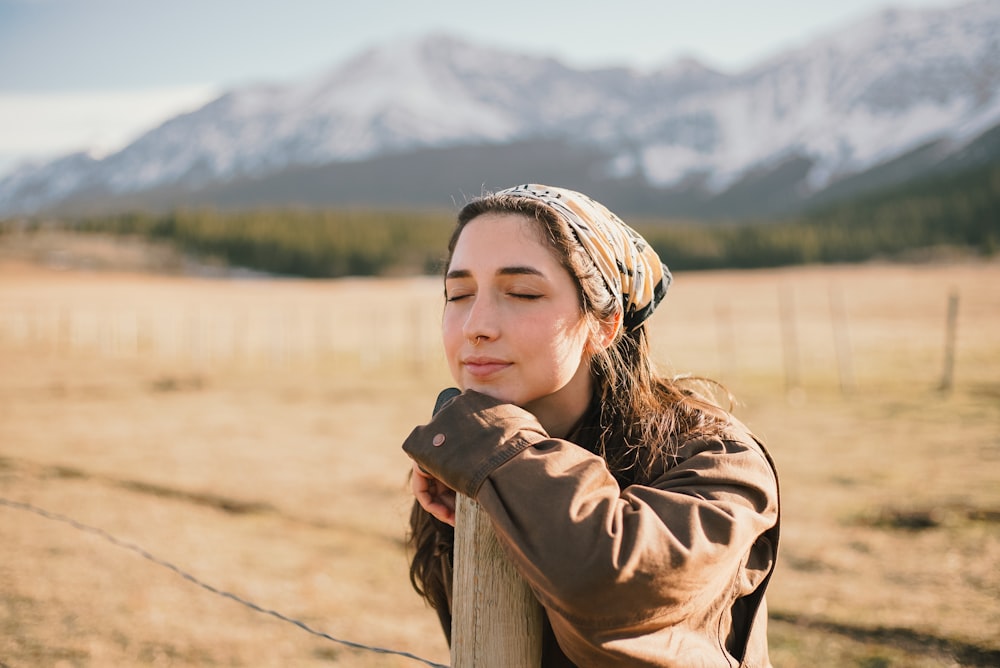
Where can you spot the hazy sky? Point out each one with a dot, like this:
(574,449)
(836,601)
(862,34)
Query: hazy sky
(78,74)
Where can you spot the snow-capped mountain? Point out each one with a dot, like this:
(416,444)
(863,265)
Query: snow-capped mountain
(848,102)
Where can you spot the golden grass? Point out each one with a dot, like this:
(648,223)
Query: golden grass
(249,431)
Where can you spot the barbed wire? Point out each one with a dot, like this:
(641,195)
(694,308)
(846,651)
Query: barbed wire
(145,554)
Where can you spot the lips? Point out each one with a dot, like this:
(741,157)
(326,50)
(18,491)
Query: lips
(481,367)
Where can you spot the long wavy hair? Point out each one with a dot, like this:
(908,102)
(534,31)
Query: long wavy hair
(639,416)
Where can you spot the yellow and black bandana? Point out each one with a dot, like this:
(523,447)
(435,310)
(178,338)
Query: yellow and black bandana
(630,267)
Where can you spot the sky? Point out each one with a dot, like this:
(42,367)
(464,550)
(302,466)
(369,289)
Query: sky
(94,74)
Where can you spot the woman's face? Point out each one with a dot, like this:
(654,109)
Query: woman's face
(506,289)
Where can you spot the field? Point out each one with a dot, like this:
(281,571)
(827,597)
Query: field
(247,433)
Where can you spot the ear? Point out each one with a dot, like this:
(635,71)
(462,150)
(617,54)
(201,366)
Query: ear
(605,333)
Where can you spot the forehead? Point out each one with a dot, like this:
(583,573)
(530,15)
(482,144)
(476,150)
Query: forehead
(501,238)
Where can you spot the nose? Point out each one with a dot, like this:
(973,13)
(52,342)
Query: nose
(482,320)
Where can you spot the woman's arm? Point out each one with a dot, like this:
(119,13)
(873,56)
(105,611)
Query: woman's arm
(608,562)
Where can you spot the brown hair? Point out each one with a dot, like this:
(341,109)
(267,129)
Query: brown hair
(641,417)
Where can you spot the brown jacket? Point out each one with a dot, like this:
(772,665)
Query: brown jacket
(669,573)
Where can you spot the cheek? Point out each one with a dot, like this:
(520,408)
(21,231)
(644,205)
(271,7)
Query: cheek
(451,336)
(567,346)
(447,330)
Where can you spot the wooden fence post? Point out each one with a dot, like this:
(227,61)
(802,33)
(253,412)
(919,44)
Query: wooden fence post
(951,327)
(841,340)
(496,620)
(726,341)
(789,340)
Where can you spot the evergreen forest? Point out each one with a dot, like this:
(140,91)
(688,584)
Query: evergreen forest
(958,212)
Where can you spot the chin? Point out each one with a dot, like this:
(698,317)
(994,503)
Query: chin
(498,393)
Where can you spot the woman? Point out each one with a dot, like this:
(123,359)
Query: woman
(643,516)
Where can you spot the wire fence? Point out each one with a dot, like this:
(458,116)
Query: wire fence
(792,336)
(145,554)
(209,336)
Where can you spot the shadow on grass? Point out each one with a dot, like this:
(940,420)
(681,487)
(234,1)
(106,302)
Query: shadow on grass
(908,640)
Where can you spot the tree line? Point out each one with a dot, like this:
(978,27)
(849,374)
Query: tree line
(313,244)
(961,210)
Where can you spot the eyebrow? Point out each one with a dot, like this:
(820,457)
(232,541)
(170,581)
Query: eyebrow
(502,271)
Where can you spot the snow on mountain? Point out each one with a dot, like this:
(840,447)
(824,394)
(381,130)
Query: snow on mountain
(846,102)
(849,101)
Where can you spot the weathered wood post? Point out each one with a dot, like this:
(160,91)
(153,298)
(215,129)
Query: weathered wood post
(951,328)
(496,620)
(726,339)
(789,340)
(841,340)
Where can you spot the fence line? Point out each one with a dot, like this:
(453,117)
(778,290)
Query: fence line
(145,554)
(207,337)
(404,333)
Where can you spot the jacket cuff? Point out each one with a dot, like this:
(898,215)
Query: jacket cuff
(469,438)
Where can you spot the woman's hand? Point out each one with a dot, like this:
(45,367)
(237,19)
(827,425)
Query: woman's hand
(433,495)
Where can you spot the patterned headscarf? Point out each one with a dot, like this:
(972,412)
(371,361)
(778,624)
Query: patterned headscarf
(630,267)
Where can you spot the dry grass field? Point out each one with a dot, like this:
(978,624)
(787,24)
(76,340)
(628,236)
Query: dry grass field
(248,431)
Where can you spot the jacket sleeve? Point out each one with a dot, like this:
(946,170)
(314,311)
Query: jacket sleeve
(608,562)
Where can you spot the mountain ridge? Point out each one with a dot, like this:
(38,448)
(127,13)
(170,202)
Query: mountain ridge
(809,121)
